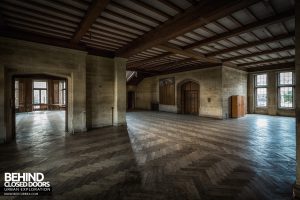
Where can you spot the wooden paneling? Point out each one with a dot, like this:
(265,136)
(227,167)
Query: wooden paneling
(237,106)
(167,91)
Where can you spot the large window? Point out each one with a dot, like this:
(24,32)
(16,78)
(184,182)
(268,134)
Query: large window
(17,92)
(261,84)
(62,92)
(40,95)
(286,84)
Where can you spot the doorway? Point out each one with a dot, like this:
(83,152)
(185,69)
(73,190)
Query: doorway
(40,107)
(130,100)
(190,98)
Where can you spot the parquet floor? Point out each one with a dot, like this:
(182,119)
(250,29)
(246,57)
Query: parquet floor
(160,156)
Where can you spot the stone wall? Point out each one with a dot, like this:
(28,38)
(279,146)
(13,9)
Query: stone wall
(216,86)
(89,101)
(100,91)
(272,90)
(146,93)
(234,83)
(210,81)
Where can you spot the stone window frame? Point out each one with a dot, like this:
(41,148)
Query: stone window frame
(260,86)
(285,85)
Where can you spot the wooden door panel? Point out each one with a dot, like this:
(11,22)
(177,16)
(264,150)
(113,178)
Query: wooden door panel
(190,98)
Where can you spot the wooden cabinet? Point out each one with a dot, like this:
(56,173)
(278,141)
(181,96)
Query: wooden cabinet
(237,106)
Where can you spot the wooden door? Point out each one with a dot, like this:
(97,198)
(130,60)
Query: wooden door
(190,97)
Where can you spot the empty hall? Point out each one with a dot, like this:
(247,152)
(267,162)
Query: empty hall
(150,100)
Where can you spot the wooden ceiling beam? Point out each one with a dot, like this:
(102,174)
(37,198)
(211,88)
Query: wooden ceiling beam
(193,2)
(277,50)
(171,5)
(180,65)
(150,8)
(38,26)
(189,65)
(187,68)
(118,30)
(133,21)
(37,22)
(288,65)
(101,38)
(170,65)
(93,12)
(252,44)
(9,7)
(120,25)
(45,39)
(131,11)
(96,30)
(176,50)
(140,63)
(265,61)
(37,30)
(194,17)
(43,8)
(247,28)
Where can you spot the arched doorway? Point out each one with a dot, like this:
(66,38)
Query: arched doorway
(190,98)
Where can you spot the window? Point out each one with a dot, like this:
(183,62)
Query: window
(17,91)
(62,92)
(261,90)
(40,95)
(286,84)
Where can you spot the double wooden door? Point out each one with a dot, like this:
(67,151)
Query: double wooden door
(190,98)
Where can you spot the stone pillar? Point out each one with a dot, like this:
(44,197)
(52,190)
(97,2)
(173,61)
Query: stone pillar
(297,92)
(119,117)
(2,106)
(79,99)
(250,94)
(272,93)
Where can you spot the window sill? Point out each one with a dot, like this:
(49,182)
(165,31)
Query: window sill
(286,108)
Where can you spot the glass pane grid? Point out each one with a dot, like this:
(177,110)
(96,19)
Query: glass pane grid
(261,97)
(261,80)
(40,84)
(286,78)
(286,95)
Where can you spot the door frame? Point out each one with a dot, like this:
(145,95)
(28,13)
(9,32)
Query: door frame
(180,96)
(33,77)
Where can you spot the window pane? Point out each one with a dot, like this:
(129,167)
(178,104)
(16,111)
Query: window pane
(44,96)
(17,94)
(64,97)
(286,78)
(261,80)
(36,97)
(261,97)
(40,84)
(286,97)
(62,92)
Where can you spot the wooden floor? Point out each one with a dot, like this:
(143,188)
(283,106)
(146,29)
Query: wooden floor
(160,156)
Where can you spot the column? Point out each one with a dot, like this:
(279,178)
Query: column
(119,117)
(297,92)
(2,106)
